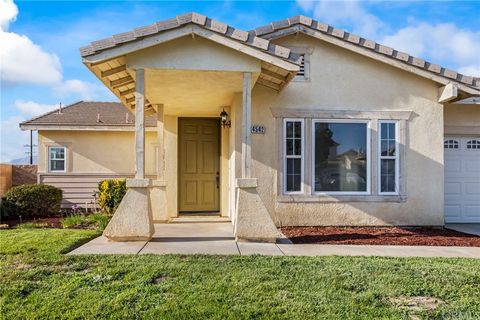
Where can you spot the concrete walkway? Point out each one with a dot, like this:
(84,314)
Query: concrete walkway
(217,238)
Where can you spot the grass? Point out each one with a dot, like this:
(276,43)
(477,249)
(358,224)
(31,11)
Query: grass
(38,281)
(96,221)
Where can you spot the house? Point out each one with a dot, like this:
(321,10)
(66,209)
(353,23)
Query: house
(293,123)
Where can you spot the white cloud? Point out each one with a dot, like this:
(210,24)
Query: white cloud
(345,13)
(22,61)
(25,62)
(443,42)
(12,139)
(33,109)
(79,88)
(8,13)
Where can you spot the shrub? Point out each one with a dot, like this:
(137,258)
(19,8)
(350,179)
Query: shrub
(33,200)
(111,192)
(96,221)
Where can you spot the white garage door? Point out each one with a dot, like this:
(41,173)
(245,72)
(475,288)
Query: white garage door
(462,179)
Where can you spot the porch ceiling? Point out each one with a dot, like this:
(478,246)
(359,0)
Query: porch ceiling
(184,90)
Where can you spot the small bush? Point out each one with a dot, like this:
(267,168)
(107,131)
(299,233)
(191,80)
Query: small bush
(111,192)
(96,221)
(35,200)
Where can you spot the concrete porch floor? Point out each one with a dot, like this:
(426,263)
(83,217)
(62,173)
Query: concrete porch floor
(217,238)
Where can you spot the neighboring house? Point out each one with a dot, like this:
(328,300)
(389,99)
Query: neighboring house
(327,128)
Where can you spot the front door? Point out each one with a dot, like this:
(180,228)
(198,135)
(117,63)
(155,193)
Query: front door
(199,165)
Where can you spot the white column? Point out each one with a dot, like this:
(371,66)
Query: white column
(140,124)
(161,144)
(246,124)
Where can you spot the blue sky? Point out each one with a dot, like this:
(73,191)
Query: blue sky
(41,66)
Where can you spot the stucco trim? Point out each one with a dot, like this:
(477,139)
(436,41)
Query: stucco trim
(73,127)
(324,113)
(339,198)
(373,194)
(462,130)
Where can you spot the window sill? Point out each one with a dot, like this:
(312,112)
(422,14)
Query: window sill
(339,198)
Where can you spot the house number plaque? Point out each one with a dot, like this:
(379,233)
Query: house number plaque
(257,129)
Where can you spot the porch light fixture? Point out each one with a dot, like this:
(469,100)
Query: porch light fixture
(224,121)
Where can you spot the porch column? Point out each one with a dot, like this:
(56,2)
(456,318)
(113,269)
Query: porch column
(158,192)
(246,124)
(252,219)
(133,219)
(140,124)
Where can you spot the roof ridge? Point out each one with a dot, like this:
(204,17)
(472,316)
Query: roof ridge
(50,112)
(197,19)
(349,37)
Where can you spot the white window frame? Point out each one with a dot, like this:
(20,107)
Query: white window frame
(301,157)
(368,152)
(50,159)
(396,157)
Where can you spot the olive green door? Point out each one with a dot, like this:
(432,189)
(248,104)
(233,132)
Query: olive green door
(199,165)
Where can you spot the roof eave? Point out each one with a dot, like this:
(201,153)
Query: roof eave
(378,52)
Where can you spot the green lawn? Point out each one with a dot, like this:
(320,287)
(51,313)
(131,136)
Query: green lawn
(38,281)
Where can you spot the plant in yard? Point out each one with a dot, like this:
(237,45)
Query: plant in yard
(97,221)
(111,192)
(31,201)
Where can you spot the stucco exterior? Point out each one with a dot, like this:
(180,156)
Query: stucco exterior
(339,81)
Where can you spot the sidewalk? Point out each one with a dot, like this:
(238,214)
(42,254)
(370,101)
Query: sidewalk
(217,238)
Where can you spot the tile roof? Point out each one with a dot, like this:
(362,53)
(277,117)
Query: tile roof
(197,19)
(302,21)
(90,113)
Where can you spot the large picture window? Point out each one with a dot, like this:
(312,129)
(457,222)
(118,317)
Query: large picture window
(341,157)
(293,155)
(56,159)
(388,159)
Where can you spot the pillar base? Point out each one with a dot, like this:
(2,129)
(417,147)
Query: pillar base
(253,222)
(158,199)
(132,220)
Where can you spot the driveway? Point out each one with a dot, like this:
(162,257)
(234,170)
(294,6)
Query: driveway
(470,228)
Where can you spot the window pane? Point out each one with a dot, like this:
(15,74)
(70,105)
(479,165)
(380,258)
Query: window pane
(391,131)
(57,165)
(289,129)
(298,129)
(384,130)
(340,157)
(294,174)
(57,153)
(387,175)
(289,147)
(298,147)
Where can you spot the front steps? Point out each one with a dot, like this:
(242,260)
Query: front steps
(198,219)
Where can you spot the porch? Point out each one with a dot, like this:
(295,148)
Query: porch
(191,70)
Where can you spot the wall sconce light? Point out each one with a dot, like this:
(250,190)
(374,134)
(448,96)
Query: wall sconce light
(224,121)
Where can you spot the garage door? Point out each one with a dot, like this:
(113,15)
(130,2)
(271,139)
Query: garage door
(462,179)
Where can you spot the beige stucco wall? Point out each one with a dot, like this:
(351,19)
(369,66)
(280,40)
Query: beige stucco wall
(462,119)
(341,80)
(97,151)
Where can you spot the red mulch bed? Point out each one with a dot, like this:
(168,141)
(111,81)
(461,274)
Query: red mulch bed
(50,222)
(415,236)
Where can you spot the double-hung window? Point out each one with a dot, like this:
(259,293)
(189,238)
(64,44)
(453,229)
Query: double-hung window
(293,155)
(57,159)
(341,158)
(388,157)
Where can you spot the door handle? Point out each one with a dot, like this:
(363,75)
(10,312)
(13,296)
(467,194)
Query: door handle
(217,179)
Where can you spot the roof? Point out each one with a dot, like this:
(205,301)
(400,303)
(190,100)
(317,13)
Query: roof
(298,24)
(88,113)
(197,19)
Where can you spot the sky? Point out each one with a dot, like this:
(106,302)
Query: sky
(40,65)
